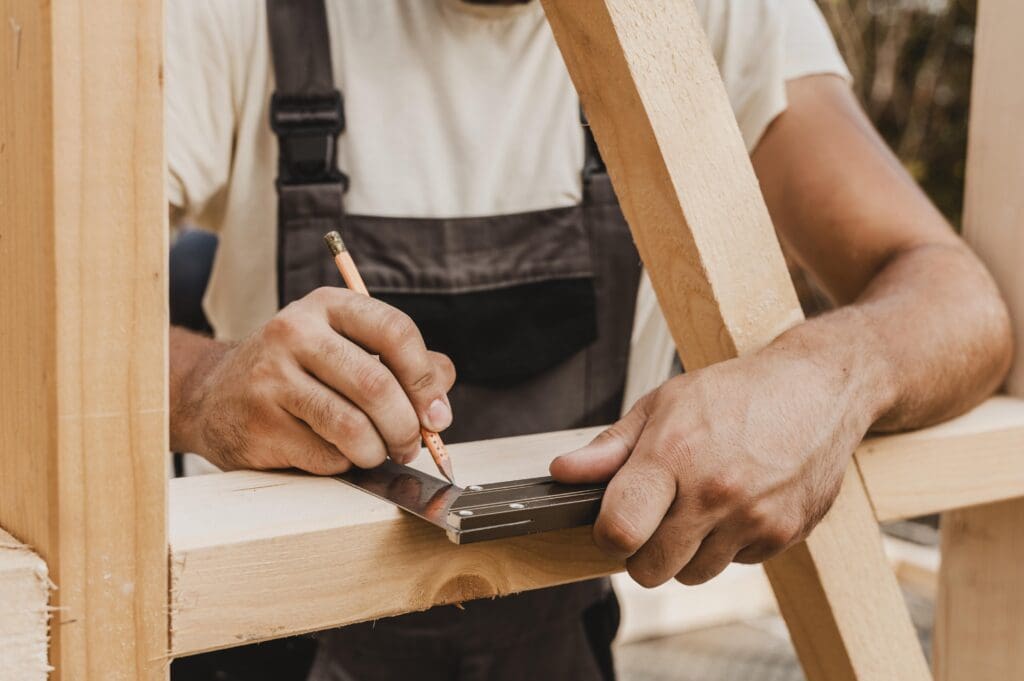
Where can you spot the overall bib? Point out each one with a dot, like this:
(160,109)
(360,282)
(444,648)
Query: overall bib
(535,309)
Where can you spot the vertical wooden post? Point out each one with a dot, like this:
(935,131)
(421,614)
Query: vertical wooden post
(24,617)
(83,252)
(661,116)
(978,632)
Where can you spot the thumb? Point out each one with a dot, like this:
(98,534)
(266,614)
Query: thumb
(604,456)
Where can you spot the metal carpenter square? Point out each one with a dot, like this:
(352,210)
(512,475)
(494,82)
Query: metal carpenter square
(521,507)
(481,512)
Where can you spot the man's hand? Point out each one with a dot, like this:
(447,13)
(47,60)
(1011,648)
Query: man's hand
(732,463)
(307,391)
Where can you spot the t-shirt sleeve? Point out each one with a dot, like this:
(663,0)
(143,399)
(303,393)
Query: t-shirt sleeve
(761,44)
(200,107)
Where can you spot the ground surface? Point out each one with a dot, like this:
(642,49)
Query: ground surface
(759,650)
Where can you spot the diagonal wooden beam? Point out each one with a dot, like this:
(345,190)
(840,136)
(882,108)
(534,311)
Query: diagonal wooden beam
(660,114)
(83,253)
(978,636)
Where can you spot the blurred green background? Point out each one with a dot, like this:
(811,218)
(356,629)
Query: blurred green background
(911,60)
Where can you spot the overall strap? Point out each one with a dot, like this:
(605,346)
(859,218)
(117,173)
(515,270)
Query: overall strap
(593,164)
(307,116)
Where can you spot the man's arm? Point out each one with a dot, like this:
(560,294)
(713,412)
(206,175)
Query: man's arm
(740,460)
(853,217)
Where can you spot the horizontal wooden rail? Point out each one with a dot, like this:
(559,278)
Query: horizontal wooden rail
(975,459)
(256,556)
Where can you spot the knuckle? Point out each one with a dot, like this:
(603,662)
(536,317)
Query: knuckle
(615,433)
(373,381)
(696,575)
(264,371)
(645,577)
(333,350)
(406,438)
(316,411)
(423,382)
(647,569)
(283,328)
(618,533)
(397,329)
(674,452)
(445,368)
(779,536)
(341,425)
(322,296)
(757,517)
(752,555)
(720,490)
(321,461)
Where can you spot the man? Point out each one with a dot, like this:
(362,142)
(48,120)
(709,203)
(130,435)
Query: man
(475,204)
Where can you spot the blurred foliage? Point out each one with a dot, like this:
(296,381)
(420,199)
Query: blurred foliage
(911,60)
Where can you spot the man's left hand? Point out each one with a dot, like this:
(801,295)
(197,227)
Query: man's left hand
(735,462)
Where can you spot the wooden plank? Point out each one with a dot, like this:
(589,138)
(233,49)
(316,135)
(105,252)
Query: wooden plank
(83,417)
(681,172)
(994,203)
(660,114)
(973,459)
(262,555)
(978,636)
(978,633)
(24,618)
(256,556)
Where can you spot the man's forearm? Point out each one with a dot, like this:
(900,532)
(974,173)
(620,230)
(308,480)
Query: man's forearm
(190,355)
(930,333)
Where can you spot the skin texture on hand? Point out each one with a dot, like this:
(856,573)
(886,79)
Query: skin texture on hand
(740,460)
(735,462)
(307,389)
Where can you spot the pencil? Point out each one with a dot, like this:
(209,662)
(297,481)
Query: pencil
(350,273)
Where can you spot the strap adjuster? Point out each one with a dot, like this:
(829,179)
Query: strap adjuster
(307,128)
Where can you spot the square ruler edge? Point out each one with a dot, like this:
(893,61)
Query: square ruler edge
(481,512)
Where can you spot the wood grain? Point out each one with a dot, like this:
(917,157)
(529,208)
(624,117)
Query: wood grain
(974,459)
(83,426)
(262,555)
(256,556)
(651,90)
(24,617)
(661,116)
(978,634)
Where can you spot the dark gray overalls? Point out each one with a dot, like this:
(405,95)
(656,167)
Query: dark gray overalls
(535,310)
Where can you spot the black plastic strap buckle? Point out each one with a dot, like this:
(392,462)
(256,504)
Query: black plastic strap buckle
(307,129)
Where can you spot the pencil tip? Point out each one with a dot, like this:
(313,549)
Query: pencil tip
(446,470)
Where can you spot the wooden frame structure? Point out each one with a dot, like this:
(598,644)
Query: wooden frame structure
(252,556)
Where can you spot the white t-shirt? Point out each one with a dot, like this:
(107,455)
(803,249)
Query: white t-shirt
(453,110)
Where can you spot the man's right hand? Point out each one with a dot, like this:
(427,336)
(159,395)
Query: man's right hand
(307,391)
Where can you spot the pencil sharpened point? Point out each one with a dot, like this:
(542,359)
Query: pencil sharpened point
(446,471)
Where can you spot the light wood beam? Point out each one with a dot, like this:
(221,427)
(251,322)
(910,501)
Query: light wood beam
(661,116)
(977,458)
(256,556)
(264,555)
(83,419)
(978,634)
(24,617)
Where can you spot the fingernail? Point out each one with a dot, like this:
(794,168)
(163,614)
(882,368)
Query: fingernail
(439,415)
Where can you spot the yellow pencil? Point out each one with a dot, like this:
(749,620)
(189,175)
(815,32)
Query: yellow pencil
(350,273)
